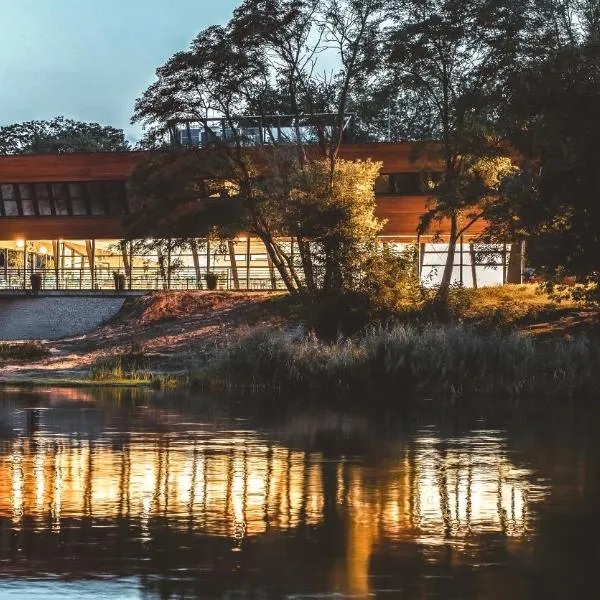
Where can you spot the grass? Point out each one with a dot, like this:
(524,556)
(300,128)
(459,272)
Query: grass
(123,367)
(506,306)
(23,351)
(438,359)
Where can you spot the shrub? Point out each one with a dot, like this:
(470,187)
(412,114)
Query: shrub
(33,350)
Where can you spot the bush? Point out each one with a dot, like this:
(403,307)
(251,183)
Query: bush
(23,350)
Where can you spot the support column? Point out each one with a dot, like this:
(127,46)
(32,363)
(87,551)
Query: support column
(90,248)
(24,264)
(56,255)
(248,262)
(125,257)
(130,262)
(462,239)
(504,263)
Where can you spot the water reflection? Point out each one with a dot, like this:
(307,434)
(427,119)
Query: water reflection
(160,490)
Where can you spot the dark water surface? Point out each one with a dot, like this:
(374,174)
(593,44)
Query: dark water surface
(132,494)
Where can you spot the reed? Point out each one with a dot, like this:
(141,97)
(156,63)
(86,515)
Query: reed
(444,359)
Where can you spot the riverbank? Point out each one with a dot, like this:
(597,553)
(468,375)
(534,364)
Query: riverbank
(510,341)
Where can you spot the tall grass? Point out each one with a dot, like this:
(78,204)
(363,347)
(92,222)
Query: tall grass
(126,365)
(434,358)
(33,350)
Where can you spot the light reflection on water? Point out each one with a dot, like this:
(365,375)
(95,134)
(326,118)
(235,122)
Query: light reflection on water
(196,505)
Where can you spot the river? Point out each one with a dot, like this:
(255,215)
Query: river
(128,493)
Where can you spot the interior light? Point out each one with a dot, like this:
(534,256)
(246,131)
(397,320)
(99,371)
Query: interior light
(20,243)
(43,250)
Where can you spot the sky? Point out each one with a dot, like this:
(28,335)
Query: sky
(90,59)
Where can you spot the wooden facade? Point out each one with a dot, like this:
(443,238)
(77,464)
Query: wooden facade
(34,206)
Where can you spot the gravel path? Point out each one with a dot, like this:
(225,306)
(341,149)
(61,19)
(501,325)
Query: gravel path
(52,318)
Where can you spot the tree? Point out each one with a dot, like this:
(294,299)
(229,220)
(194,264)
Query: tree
(267,60)
(551,119)
(452,56)
(60,136)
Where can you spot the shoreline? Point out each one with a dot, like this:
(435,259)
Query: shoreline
(257,343)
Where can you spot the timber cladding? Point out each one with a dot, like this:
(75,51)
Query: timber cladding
(53,228)
(94,166)
(401,212)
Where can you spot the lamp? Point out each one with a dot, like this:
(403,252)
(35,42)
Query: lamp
(20,243)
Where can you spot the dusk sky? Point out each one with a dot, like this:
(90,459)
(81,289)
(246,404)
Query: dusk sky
(90,59)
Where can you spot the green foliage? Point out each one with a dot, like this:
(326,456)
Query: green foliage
(552,121)
(60,136)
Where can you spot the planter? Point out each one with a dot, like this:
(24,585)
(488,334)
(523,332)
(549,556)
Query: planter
(36,283)
(211,281)
(120,281)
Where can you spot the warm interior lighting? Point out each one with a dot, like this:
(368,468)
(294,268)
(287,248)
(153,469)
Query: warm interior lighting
(20,243)
(43,250)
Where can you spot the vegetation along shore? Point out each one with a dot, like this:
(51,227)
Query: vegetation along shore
(512,341)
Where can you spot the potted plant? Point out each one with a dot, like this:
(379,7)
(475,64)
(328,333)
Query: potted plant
(119,279)
(211,281)
(36,283)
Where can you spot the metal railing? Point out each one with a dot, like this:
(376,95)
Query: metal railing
(142,278)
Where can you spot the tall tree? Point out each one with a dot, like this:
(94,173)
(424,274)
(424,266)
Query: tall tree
(60,136)
(551,119)
(452,57)
(266,61)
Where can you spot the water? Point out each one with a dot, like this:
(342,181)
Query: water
(130,494)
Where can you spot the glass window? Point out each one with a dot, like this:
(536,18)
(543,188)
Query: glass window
(59,195)
(26,199)
(43,198)
(7,191)
(77,199)
(10,208)
(382,184)
(95,191)
(115,194)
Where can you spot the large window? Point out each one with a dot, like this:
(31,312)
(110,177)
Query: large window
(406,184)
(90,198)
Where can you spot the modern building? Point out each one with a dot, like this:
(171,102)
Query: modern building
(62,216)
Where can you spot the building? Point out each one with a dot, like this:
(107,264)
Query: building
(62,216)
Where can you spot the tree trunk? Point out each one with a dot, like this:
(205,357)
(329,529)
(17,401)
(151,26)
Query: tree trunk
(278,264)
(196,259)
(307,266)
(449,266)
